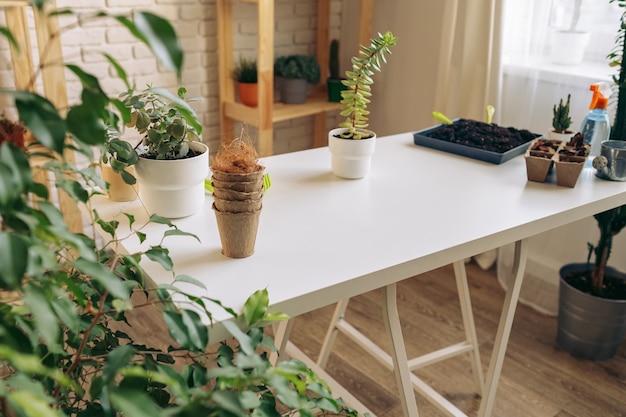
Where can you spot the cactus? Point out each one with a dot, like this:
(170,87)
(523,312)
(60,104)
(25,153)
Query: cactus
(561,120)
(333,59)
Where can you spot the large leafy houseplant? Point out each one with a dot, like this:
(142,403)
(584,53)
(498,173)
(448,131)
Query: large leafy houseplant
(62,293)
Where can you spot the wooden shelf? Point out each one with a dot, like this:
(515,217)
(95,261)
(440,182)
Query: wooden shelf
(267,113)
(280,112)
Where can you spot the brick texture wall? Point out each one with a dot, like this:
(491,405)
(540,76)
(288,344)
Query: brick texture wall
(196,25)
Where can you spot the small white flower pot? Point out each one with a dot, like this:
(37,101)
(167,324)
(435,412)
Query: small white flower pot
(174,188)
(350,158)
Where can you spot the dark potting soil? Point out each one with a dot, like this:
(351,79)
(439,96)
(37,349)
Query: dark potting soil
(489,137)
(614,285)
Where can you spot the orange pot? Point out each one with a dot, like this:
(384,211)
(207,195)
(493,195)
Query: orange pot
(248,94)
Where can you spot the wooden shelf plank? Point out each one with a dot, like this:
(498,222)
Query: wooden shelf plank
(314,105)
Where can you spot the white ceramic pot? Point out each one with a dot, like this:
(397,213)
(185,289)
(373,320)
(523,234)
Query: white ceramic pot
(350,158)
(568,47)
(174,188)
(563,137)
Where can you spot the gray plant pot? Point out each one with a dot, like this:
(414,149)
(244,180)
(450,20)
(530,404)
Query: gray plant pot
(293,90)
(589,327)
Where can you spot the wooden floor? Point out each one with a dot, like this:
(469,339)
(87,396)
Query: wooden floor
(538,378)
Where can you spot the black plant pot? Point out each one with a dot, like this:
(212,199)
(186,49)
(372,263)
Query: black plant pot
(335,87)
(589,327)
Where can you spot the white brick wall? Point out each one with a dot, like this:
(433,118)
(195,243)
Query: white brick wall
(195,24)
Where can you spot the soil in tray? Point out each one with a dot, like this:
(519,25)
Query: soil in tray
(489,137)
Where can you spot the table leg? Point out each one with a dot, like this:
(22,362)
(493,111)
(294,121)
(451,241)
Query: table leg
(331,334)
(400,361)
(281,338)
(504,328)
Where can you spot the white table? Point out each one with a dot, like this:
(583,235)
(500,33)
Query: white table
(322,239)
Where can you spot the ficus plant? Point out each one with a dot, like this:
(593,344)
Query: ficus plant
(358,81)
(64,294)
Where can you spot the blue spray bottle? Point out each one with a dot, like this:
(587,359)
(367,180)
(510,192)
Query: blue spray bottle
(596,126)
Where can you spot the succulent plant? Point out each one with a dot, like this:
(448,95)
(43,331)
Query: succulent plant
(356,97)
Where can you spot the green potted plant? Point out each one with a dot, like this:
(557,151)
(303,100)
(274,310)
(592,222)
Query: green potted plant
(334,83)
(295,73)
(561,121)
(64,294)
(247,81)
(592,296)
(172,161)
(352,145)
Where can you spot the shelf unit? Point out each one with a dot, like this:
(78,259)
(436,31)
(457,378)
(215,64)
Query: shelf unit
(267,112)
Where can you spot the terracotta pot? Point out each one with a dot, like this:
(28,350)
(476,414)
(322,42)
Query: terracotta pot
(118,189)
(248,94)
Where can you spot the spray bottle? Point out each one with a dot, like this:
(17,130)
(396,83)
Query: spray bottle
(596,126)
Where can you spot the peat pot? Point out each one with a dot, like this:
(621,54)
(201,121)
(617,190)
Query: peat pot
(350,158)
(589,327)
(174,188)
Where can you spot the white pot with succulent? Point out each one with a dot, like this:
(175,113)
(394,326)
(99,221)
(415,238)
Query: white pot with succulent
(351,144)
(173,162)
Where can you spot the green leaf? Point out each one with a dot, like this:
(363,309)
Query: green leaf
(104,276)
(134,403)
(41,117)
(190,280)
(187,329)
(118,69)
(177,232)
(86,125)
(32,405)
(45,319)
(160,36)
(13,260)
(245,342)
(229,401)
(4,31)
(255,307)
(160,255)
(117,359)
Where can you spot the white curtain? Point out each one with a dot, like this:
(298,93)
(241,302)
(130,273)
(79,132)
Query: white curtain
(532,83)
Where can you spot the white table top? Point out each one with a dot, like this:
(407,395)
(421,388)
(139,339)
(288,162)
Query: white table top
(322,239)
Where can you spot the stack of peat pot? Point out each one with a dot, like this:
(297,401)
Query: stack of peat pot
(237,197)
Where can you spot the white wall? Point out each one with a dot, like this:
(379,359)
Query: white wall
(404,92)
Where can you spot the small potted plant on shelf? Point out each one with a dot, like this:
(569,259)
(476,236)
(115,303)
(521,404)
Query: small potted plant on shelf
(351,144)
(172,161)
(247,82)
(334,83)
(592,296)
(295,73)
(561,121)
